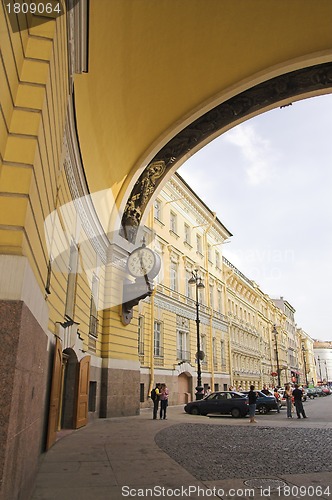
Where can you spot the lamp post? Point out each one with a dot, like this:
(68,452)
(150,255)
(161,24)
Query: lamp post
(305,365)
(197,281)
(277,356)
(320,370)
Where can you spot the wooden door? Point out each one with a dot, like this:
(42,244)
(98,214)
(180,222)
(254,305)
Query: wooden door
(184,395)
(82,392)
(54,396)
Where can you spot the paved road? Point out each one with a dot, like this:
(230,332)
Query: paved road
(193,457)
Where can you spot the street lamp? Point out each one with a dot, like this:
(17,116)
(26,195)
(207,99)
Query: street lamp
(277,356)
(305,365)
(320,370)
(197,281)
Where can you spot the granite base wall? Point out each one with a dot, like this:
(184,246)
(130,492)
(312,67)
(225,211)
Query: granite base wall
(119,393)
(23,378)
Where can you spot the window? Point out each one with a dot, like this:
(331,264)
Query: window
(173,276)
(71,283)
(209,249)
(187,238)
(173,222)
(211,296)
(189,292)
(157,347)
(183,350)
(141,393)
(219,298)
(223,355)
(203,345)
(201,294)
(157,210)
(218,260)
(140,335)
(92,396)
(93,326)
(198,243)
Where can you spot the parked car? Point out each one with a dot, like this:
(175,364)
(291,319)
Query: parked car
(264,403)
(223,402)
(326,390)
(311,393)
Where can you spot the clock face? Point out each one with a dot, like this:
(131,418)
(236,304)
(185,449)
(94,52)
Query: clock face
(143,262)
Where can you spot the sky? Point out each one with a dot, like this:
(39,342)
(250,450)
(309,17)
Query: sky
(270,182)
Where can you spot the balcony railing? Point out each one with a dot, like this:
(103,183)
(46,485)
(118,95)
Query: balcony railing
(183,355)
(184,299)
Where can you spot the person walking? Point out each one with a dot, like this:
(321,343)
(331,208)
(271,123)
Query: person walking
(277,396)
(252,395)
(297,395)
(207,391)
(164,393)
(288,396)
(155,396)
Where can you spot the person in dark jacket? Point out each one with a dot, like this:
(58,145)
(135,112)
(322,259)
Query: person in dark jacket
(252,395)
(156,399)
(297,395)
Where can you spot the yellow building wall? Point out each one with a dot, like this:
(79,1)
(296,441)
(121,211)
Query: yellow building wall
(34,97)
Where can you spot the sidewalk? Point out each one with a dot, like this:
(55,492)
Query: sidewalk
(113,459)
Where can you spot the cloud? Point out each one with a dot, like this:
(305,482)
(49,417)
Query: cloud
(256,150)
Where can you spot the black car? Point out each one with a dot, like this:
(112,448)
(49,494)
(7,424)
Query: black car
(223,402)
(264,403)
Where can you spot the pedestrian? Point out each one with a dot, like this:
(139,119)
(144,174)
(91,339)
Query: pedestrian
(252,395)
(207,391)
(164,393)
(266,391)
(297,395)
(288,397)
(277,396)
(155,396)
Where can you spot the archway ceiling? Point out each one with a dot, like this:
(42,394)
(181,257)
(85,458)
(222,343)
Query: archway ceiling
(156,67)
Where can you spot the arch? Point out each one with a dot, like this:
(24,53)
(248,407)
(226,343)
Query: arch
(280,90)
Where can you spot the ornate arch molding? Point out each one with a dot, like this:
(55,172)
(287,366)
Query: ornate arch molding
(279,89)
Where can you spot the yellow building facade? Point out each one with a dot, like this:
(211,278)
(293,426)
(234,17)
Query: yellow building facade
(188,237)
(246,338)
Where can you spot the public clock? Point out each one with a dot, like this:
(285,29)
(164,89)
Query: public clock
(143,262)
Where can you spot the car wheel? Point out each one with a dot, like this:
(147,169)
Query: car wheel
(263,409)
(195,411)
(235,413)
